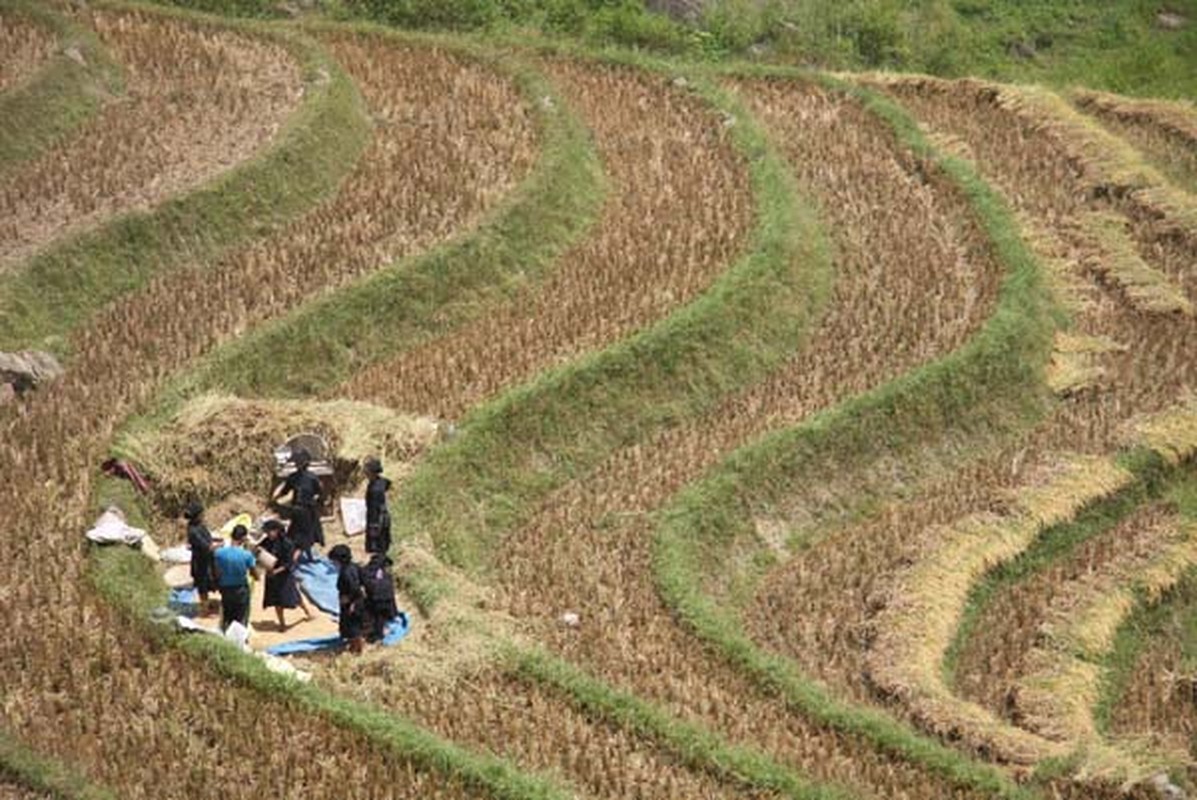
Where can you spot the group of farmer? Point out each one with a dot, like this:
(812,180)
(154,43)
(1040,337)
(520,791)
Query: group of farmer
(366,592)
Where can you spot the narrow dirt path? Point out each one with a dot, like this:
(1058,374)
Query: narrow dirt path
(198,101)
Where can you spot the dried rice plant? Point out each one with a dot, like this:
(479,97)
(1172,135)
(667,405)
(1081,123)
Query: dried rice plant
(1060,687)
(451,138)
(916,627)
(12,791)
(1164,130)
(24,48)
(679,211)
(1163,218)
(1077,362)
(1172,434)
(489,709)
(1116,259)
(587,547)
(218,445)
(137,710)
(198,101)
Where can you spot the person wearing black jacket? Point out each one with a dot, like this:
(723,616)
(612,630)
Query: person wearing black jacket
(304,511)
(281,590)
(380,594)
(378,517)
(199,539)
(352,595)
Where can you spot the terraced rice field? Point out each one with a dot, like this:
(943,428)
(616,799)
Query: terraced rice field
(836,442)
(25,47)
(197,102)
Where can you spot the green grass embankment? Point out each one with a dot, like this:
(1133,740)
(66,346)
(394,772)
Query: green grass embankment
(512,451)
(127,580)
(517,244)
(45,775)
(62,94)
(387,310)
(1172,616)
(56,291)
(986,391)
(785,274)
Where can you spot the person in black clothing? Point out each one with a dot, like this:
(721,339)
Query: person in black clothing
(199,539)
(378,518)
(380,594)
(304,513)
(281,590)
(352,597)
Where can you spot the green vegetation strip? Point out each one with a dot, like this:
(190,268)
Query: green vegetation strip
(1152,481)
(1172,616)
(326,341)
(552,207)
(696,746)
(56,291)
(23,766)
(131,583)
(989,388)
(62,94)
(514,450)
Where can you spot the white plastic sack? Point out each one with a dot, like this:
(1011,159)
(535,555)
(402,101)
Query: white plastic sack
(353,515)
(238,634)
(111,528)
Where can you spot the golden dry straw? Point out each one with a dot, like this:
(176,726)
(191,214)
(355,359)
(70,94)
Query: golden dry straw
(916,628)
(24,48)
(197,102)
(156,703)
(218,445)
(678,212)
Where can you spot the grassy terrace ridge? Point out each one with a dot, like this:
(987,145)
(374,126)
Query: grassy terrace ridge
(422,296)
(565,187)
(119,574)
(61,95)
(128,581)
(989,388)
(56,291)
(25,767)
(1172,615)
(696,746)
(1153,480)
(470,491)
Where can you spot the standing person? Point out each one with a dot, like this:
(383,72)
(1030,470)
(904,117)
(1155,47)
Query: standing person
(281,591)
(352,597)
(199,539)
(306,494)
(380,595)
(378,517)
(233,563)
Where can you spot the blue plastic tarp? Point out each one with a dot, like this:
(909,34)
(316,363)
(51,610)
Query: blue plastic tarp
(318,580)
(395,631)
(184,601)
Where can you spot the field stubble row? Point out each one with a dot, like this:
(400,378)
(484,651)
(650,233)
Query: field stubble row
(677,212)
(156,702)
(25,47)
(197,101)
(845,158)
(1044,183)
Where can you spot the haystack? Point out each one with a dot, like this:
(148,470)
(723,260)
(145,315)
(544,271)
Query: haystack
(220,445)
